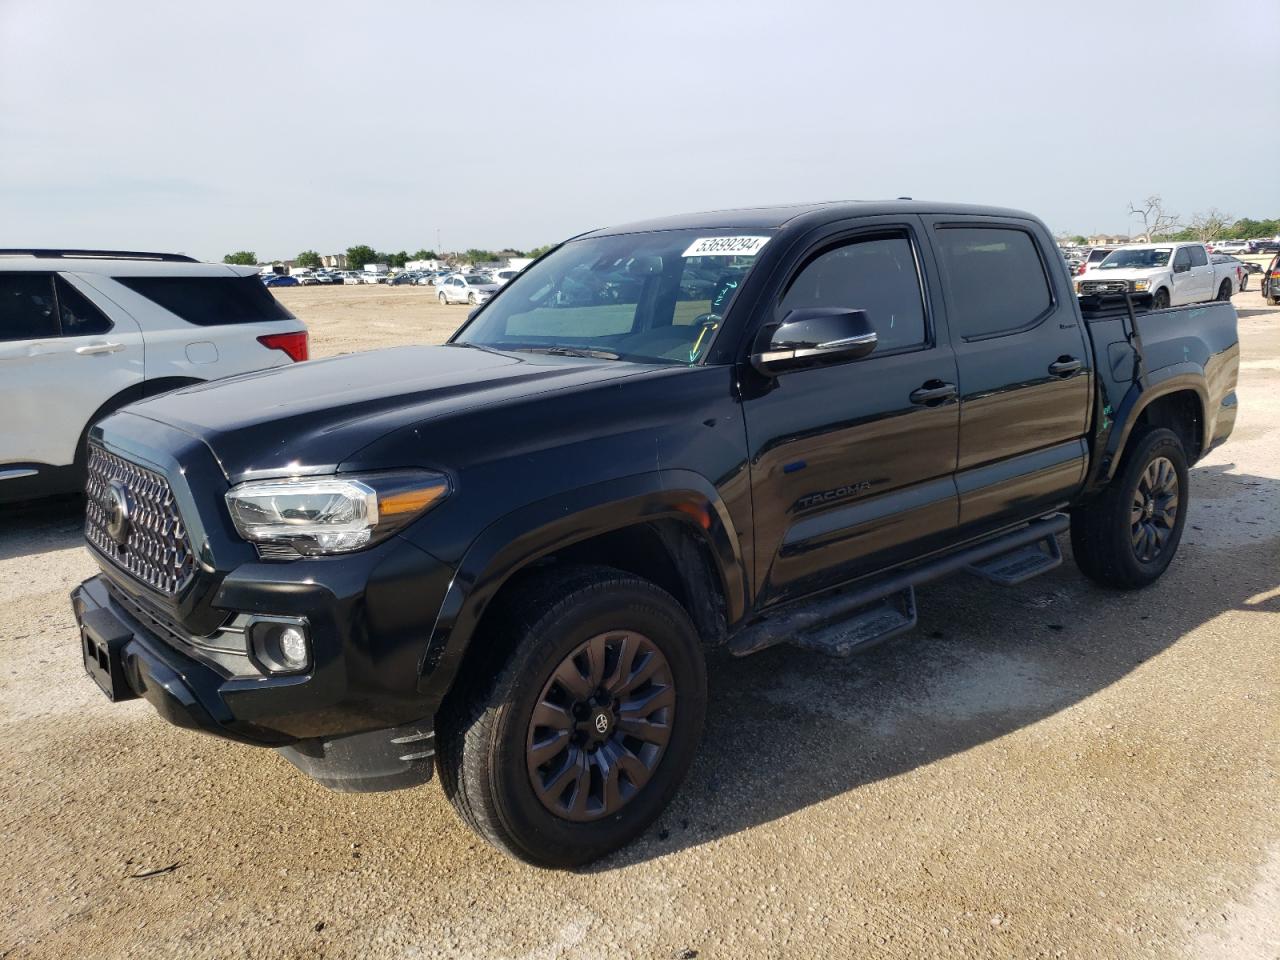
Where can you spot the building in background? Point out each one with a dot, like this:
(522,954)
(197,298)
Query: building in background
(334,261)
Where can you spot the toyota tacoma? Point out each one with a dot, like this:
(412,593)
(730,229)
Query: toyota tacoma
(504,557)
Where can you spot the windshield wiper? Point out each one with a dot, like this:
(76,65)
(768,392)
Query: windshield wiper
(562,351)
(475,346)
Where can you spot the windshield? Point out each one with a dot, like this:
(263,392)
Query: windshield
(1145,258)
(650,297)
(475,279)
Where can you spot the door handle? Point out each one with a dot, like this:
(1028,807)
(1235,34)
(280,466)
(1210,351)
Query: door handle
(933,392)
(92,349)
(1065,366)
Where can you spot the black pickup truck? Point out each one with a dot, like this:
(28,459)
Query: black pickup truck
(505,555)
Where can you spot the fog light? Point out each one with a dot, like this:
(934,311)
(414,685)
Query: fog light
(279,644)
(293,647)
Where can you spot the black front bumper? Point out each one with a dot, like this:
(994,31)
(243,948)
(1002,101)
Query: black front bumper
(128,661)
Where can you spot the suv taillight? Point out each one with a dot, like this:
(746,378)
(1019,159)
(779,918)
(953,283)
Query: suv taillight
(294,344)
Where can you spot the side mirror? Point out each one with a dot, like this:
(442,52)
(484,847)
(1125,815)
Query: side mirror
(813,337)
(1181,267)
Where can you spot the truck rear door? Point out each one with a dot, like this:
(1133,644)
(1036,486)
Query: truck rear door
(1025,369)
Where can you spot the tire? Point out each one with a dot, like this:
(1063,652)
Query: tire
(471,299)
(1125,537)
(444,301)
(489,740)
(1161,300)
(1224,290)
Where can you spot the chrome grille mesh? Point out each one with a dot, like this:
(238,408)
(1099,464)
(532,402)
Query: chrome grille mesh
(156,549)
(1104,286)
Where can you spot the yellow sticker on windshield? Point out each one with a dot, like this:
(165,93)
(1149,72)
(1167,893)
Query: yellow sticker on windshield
(726,246)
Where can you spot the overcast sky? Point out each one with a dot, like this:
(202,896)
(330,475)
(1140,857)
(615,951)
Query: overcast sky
(280,126)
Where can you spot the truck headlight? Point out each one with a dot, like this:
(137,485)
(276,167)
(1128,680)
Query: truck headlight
(1141,286)
(335,514)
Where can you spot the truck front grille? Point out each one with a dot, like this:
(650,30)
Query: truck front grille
(131,518)
(1104,286)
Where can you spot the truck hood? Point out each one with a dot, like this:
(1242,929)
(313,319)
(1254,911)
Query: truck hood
(1123,273)
(308,418)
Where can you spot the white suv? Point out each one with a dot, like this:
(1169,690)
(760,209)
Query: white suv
(84,332)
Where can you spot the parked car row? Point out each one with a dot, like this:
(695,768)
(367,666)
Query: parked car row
(1260,245)
(474,287)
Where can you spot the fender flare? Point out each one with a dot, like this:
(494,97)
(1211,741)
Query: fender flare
(520,538)
(1176,378)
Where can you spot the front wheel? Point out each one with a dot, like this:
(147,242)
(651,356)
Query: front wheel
(582,737)
(472,299)
(444,301)
(1127,535)
(1161,300)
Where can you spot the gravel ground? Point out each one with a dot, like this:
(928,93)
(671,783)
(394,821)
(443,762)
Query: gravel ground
(1045,771)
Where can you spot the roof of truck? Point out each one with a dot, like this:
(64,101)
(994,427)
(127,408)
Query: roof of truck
(775,217)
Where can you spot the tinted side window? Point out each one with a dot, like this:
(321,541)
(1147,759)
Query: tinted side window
(27,309)
(877,275)
(211,301)
(1182,258)
(996,280)
(1198,258)
(80,318)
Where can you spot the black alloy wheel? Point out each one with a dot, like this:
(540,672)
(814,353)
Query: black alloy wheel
(601,726)
(1125,536)
(1154,511)
(574,733)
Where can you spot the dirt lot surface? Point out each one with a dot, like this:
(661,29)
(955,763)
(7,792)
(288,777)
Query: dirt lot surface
(1045,771)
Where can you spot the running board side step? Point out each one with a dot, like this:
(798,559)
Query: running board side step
(851,619)
(1022,563)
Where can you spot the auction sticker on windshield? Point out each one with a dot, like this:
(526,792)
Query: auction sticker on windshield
(726,246)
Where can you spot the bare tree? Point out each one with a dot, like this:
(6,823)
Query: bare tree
(1211,224)
(1155,221)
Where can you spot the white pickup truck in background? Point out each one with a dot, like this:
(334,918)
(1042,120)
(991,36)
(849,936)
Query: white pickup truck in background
(1174,274)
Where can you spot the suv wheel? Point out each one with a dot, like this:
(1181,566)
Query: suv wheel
(1127,535)
(586,731)
(1161,300)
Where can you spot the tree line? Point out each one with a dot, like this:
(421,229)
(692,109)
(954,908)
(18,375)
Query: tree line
(361,254)
(1159,223)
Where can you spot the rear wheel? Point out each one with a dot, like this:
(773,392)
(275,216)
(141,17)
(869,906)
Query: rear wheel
(1127,535)
(582,737)
(1224,290)
(1161,300)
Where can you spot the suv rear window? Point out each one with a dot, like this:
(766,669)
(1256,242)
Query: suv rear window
(211,301)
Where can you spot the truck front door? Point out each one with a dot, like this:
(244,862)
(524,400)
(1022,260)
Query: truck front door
(852,465)
(1203,273)
(1187,283)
